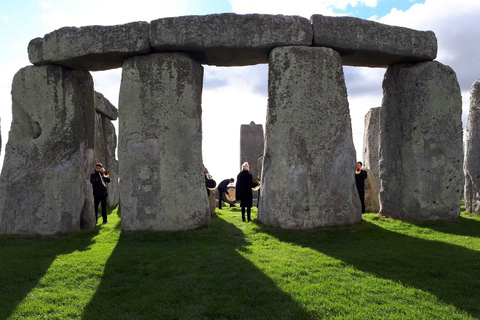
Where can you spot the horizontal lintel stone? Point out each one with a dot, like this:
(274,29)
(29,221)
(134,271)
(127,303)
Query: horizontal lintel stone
(371,44)
(230,39)
(91,48)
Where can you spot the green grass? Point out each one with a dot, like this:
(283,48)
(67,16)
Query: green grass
(377,269)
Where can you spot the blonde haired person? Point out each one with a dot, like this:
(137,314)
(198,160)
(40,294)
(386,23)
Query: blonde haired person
(243,190)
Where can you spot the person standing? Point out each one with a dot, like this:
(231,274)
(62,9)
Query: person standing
(243,190)
(99,180)
(360,176)
(222,188)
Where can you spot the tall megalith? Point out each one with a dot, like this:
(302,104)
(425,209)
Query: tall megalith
(371,140)
(421,152)
(309,162)
(44,187)
(160,145)
(251,146)
(472,152)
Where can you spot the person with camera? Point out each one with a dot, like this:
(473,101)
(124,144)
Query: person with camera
(99,180)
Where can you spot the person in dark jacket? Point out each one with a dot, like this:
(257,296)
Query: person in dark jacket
(222,188)
(100,194)
(360,176)
(243,190)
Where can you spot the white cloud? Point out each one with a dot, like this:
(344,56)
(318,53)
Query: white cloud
(5,18)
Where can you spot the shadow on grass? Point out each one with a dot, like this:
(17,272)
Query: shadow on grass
(450,272)
(187,275)
(460,226)
(25,260)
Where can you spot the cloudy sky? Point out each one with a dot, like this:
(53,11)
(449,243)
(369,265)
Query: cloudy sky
(235,96)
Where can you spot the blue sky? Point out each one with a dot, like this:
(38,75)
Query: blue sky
(235,96)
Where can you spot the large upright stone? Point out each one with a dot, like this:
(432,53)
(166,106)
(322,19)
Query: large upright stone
(105,107)
(44,185)
(472,152)
(309,163)
(230,39)
(421,152)
(371,143)
(160,152)
(371,44)
(372,202)
(91,47)
(251,146)
(106,145)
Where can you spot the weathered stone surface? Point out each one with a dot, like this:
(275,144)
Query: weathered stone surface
(472,152)
(105,107)
(160,151)
(230,39)
(309,162)
(372,203)
(371,143)
(251,146)
(44,185)
(421,153)
(371,44)
(105,146)
(91,47)
(212,202)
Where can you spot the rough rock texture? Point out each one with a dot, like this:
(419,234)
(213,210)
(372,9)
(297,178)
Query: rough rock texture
(371,143)
(371,44)
(105,107)
(309,162)
(472,152)
(421,152)
(105,146)
(251,146)
(92,47)
(372,203)
(212,202)
(230,39)
(44,185)
(160,150)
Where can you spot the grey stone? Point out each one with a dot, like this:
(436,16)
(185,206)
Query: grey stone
(251,146)
(160,151)
(371,44)
(421,153)
(472,152)
(211,201)
(371,143)
(44,185)
(105,107)
(91,47)
(309,162)
(105,147)
(230,39)
(372,203)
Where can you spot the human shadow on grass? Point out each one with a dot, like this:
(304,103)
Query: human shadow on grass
(25,260)
(197,274)
(450,272)
(460,226)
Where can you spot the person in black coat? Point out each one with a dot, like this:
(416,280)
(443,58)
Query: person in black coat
(243,190)
(100,194)
(360,176)
(222,188)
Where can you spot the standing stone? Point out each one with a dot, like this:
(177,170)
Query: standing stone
(44,185)
(106,145)
(309,162)
(160,151)
(371,143)
(421,152)
(251,146)
(372,203)
(472,152)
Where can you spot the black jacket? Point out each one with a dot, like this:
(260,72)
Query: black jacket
(360,180)
(222,187)
(99,190)
(243,188)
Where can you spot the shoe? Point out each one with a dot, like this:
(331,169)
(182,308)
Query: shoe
(105,222)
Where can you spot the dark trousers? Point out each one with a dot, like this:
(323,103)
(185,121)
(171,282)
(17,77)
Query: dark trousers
(103,200)
(248,213)
(361,193)
(220,198)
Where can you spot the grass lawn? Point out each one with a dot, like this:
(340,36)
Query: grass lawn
(377,269)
